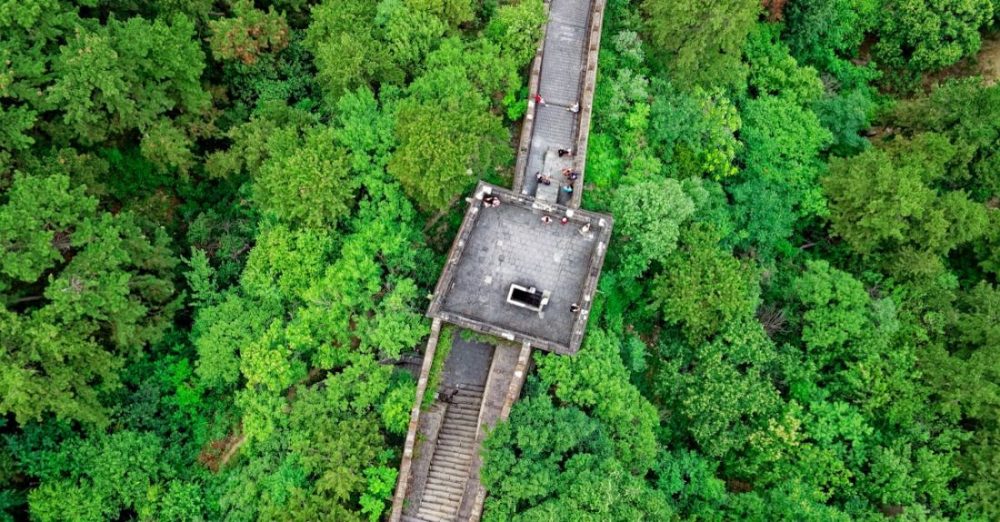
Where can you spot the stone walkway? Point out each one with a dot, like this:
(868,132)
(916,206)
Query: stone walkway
(439,471)
(564,56)
(475,384)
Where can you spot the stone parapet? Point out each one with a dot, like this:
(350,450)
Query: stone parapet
(528,125)
(587,95)
(406,462)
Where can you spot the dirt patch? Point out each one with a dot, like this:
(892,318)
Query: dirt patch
(989,60)
(986,64)
(217,453)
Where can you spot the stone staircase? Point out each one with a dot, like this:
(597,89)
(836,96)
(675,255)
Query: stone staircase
(456,444)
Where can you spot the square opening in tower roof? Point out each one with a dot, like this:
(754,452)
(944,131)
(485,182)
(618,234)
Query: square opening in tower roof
(506,262)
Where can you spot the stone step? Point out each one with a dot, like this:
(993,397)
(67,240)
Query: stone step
(437,514)
(455,458)
(462,412)
(449,472)
(459,421)
(461,424)
(459,440)
(461,417)
(459,430)
(465,453)
(443,487)
(441,509)
(446,509)
(460,460)
(456,446)
(453,455)
(444,500)
(460,427)
(434,517)
(441,496)
(454,462)
(464,402)
(455,441)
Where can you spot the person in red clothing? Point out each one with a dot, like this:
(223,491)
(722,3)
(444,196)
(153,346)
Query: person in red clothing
(539,100)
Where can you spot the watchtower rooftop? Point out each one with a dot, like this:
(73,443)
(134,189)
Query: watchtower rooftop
(513,275)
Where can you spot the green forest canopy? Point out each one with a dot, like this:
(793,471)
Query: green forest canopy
(219,221)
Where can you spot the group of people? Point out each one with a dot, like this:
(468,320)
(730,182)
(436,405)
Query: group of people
(569,174)
(547,180)
(546,219)
(575,108)
(491,201)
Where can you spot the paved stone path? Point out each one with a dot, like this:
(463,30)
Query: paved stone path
(452,459)
(564,56)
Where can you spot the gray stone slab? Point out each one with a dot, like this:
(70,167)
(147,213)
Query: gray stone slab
(562,64)
(576,12)
(468,362)
(508,245)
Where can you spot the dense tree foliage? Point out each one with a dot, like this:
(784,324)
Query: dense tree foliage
(922,35)
(220,220)
(804,307)
(702,39)
(210,251)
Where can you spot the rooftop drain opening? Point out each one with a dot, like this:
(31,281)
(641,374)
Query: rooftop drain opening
(530,298)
